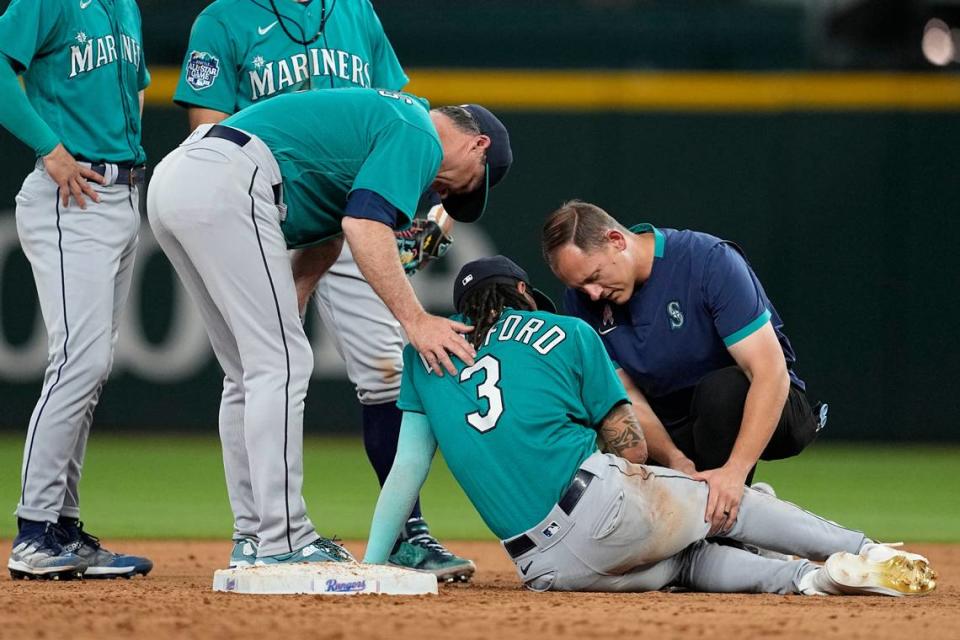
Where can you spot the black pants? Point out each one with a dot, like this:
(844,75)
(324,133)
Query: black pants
(710,430)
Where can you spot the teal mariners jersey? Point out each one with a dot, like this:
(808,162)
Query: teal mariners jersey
(84,68)
(515,426)
(239,52)
(329,143)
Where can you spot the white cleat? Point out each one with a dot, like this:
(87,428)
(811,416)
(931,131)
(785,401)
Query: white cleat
(878,569)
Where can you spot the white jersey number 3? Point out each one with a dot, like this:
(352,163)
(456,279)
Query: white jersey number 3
(487,390)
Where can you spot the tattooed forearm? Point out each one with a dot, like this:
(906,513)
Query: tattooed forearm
(622,434)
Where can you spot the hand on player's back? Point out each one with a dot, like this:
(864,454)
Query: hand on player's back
(71,177)
(433,337)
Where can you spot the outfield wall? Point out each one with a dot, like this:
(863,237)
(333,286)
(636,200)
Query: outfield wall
(849,214)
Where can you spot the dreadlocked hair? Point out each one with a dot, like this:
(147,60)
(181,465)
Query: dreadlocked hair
(484,304)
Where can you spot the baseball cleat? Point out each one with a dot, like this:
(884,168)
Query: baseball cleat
(320,550)
(101,563)
(40,556)
(422,552)
(244,553)
(877,570)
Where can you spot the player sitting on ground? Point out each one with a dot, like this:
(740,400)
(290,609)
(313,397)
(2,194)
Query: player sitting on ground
(518,429)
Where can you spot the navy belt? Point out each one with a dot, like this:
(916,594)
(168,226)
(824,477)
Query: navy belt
(127,172)
(581,480)
(235,136)
(240,139)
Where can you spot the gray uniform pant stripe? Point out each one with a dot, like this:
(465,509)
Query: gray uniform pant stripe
(286,354)
(641,528)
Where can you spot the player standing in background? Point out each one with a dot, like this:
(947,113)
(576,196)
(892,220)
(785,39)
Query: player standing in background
(699,347)
(77,219)
(307,169)
(242,52)
(518,429)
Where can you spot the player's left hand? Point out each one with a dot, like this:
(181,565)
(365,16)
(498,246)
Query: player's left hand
(726,492)
(72,178)
(421,243)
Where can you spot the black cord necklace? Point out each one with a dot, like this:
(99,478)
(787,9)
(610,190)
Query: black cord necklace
(323,22)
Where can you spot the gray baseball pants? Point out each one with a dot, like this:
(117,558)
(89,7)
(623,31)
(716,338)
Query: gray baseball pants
(212,207)
(366,334)
(641,528)
(82,262)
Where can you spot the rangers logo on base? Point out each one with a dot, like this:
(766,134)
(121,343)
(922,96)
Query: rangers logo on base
(325,578)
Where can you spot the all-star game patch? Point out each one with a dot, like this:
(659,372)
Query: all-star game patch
(202,70)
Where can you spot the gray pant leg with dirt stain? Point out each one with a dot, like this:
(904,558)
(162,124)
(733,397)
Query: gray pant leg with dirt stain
(640,528)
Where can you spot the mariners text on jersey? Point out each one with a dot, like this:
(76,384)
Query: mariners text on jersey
(241,52)
(267,78)
(82,58)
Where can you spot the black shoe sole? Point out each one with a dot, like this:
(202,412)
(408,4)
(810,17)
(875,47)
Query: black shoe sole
(461,576)
(71,574)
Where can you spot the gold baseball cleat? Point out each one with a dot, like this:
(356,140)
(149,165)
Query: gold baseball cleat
(878,569)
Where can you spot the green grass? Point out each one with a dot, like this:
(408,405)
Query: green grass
(173,487)
(892,492)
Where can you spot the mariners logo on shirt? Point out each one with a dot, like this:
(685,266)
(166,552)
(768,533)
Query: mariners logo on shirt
(674,314)
(202,70)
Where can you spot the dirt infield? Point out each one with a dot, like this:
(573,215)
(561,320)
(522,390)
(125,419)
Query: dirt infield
(175,601)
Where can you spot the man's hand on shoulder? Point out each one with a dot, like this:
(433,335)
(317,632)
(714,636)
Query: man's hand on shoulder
(435,338)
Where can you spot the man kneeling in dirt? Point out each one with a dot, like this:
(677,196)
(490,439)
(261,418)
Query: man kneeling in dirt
(519,429)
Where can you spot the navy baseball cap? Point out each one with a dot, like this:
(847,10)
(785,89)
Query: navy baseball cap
(496,269)
(468,207)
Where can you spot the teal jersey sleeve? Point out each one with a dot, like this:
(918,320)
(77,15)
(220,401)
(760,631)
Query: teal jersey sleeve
(27,28)
(18,116)
(143,74)
(402,164)
(409,399)
(208,77)
(600,387)
(385,69)
(415,449)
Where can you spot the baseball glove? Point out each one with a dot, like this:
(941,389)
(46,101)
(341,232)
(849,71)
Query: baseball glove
(421,243)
